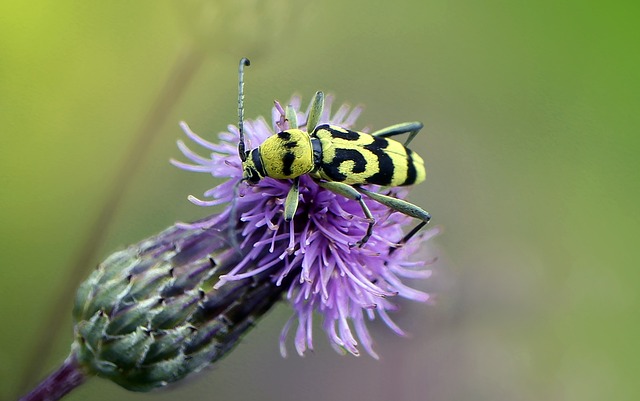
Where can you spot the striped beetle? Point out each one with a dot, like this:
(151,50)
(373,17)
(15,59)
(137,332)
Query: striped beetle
(337,159)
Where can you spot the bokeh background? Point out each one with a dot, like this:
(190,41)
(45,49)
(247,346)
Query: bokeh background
(531,138)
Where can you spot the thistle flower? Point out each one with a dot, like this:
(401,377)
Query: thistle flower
(176,302)
(346,285)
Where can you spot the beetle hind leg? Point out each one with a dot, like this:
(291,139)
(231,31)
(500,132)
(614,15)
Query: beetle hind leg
(401,206)
(408,236)
(351,193)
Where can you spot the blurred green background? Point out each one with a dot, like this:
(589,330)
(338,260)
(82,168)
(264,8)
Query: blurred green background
(531,114)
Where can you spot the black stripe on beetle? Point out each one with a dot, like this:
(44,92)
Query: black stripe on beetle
(411,169)
(385,169)
(284,135)
(346,134)
(332,170)
(287,162)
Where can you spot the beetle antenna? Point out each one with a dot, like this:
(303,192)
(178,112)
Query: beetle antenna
(241,146)
(233,217)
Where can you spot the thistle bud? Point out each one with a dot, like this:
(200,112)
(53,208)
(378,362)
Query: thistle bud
(149,315)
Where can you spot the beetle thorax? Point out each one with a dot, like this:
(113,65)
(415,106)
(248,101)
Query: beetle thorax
(287,154)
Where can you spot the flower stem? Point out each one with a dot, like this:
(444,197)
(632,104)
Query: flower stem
(184,69)
(59,383)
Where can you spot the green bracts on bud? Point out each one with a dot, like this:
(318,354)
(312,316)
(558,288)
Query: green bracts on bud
(149,315)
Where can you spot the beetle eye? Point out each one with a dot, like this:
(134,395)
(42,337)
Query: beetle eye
(251,175)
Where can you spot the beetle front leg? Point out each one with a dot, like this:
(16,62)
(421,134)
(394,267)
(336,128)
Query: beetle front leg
(316,111)
(291,204)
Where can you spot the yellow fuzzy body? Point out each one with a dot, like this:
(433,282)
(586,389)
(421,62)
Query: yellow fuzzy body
(353,157)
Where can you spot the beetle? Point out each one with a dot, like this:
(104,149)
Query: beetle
(336,158)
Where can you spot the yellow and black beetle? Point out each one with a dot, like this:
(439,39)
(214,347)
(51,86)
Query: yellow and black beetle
(338,159)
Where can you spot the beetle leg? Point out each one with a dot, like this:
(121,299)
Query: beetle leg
(351,193)
(409,235)
(398,129)
(401,206)
(291,204)
(292,118)
(316,112)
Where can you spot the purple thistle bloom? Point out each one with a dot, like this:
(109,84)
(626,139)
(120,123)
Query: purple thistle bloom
(176,302)
(314,251)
